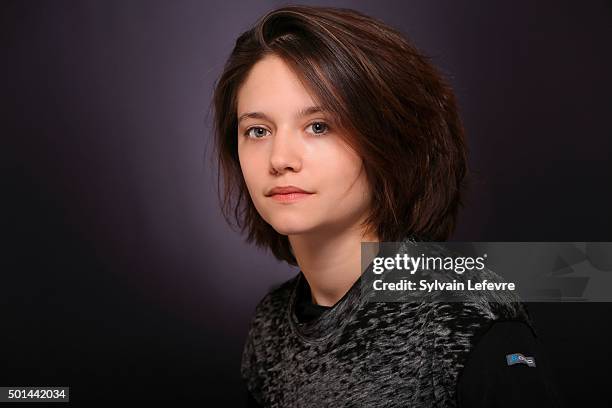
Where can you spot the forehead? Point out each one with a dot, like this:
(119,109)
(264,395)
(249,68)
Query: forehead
(272,85)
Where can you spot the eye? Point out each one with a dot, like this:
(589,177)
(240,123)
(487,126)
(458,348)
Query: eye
(257,133)
(319,128)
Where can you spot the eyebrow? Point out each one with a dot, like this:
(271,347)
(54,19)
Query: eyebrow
(300,114)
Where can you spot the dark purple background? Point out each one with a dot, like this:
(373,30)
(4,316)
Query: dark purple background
(120,277)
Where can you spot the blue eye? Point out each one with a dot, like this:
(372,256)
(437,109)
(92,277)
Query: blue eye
(319,128)
(259,133)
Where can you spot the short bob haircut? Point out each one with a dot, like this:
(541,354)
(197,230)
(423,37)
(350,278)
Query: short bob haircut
(391,104)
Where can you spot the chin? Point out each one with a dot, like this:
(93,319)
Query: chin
(292,226)
(292,222)
(290,229)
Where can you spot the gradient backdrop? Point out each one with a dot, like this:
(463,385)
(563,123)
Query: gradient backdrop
(119,276)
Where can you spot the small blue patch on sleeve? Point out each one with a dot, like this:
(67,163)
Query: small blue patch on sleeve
(518,358)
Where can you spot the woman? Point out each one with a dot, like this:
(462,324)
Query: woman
(333,130)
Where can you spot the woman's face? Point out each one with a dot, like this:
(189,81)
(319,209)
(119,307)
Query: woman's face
(278,146)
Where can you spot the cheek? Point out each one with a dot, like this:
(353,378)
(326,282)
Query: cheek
(342,177)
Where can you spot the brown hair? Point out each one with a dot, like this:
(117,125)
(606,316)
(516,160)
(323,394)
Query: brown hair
(398,113)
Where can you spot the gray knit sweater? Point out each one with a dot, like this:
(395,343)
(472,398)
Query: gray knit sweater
(364,354)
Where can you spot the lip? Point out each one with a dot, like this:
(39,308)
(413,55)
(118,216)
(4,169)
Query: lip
(290,197)
(288,194)
(285,190)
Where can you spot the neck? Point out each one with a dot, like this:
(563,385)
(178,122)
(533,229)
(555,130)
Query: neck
(331,262)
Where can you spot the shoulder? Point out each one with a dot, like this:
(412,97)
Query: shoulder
(456,326)
(267,319)
(273,305)
(263,328)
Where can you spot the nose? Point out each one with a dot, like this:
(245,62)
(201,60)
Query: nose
(285,154)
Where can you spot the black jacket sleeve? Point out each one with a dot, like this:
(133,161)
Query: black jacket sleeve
(496,375)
